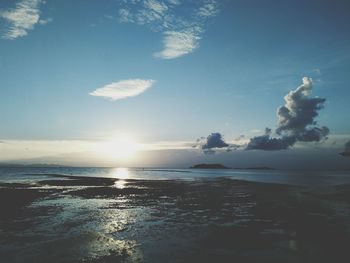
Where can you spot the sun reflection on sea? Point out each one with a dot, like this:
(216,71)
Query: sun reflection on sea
(120,174)
(120,184)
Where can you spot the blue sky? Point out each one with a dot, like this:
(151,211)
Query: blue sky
(211,66)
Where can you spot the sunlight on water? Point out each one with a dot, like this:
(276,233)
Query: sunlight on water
(94,232)
(120,184)
(121,173)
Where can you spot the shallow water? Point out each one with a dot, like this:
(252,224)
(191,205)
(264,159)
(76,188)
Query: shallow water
(205,218)
(295,177)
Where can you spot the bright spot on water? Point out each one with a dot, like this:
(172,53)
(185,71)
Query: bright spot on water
(120,184)
(121,174)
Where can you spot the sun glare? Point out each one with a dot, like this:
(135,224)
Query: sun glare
(121,174)
(120,149)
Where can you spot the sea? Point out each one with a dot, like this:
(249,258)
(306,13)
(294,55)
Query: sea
(96,224)
(306,178)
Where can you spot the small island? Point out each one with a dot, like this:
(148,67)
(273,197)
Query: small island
(209,166)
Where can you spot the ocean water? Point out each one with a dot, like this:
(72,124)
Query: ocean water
(295,177)
(195,221)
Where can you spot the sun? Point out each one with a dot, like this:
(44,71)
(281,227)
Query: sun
(123,148)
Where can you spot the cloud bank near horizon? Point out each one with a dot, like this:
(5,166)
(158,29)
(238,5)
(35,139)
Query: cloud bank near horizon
(170,154)
(123,89)
(181,33)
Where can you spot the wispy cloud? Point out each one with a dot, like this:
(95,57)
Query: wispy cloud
(182,28)
(177,44)
(157,7)
(88,152)
(208,9)
(45,21)
(317,70)
(21,18)
(167,145)
(123,89)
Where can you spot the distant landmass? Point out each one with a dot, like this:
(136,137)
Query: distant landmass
(31,165)
(221,166)
(209,166)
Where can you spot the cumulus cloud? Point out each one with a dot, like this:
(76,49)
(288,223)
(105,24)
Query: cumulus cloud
(181,33)
(20,19)
(267,143)
(346,152)
(296,121)
(213,142)
(123,89)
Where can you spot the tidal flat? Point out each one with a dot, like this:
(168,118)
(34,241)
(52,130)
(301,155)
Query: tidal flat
(85,219)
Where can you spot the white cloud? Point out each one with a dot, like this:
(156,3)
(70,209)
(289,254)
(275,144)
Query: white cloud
(45,21)
(182,26)
(174,2)
(156,6)
(209,9)
(167,145)
(123,89)
(21,18)
(125,16)
(177,44)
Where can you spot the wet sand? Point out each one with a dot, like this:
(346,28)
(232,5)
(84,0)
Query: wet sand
(81,219)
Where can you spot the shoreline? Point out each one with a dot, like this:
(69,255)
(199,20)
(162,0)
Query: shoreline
(85,219)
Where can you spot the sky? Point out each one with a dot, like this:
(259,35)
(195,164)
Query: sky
(170,83)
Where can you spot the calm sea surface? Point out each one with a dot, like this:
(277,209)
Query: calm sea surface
(303,178)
